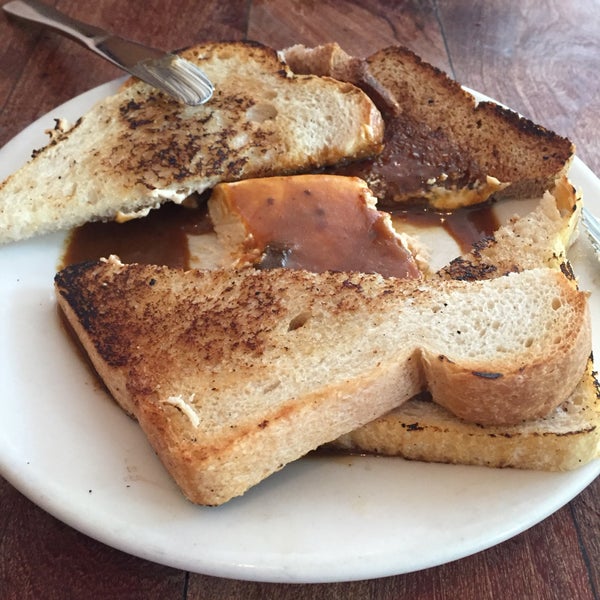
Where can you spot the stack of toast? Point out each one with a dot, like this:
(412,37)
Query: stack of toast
(235,371)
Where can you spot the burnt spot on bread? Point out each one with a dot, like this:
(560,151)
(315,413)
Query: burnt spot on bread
(130,106)
(487,374)
(413,426)
(80,288)
(561,146)
(567,270)
(347,284)
(462,269)
(58,133)
(66,282)
(480,245)
(145,184)
(135,123)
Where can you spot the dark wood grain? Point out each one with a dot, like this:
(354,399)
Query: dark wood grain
(361,28)
(41,557)
(541,57)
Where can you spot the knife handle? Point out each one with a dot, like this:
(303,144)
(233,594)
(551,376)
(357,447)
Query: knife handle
(179,78)
(38,12)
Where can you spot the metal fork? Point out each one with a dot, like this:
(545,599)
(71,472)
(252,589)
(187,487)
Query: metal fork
(173,75)
(592,226)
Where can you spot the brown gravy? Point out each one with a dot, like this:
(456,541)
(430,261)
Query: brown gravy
(320,222)
(466,225)
(161,237)
(412,155)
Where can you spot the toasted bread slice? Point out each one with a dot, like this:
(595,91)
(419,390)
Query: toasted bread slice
(539,238)
(564,439)
(420,429)
(441,146)
(139,148)
(234,374)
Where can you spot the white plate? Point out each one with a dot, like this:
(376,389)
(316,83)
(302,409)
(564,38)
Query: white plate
(71,450)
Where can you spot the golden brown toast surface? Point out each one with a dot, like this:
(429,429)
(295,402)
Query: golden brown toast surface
(139,148)
(233,374)
(441,146)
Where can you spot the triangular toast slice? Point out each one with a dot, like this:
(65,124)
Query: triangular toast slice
(233,374)
(441,145)
(139,148)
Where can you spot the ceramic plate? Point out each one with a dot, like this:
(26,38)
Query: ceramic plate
(67,446)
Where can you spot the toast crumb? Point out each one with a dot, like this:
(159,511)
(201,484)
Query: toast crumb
(185,407)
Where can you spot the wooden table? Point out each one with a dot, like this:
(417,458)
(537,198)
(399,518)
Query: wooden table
(541,57)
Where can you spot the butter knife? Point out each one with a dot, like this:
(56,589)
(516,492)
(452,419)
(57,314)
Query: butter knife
(168,72)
